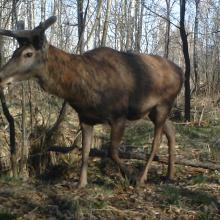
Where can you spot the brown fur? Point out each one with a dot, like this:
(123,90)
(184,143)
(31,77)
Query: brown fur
(105,86)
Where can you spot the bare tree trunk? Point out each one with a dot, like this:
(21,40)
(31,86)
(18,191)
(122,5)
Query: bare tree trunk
(139,22)
(195,52)
(206,61)
(80,26)
(186,58)
(123,22)
(1,44)
(14,13)
(167,34)
(216,53)
(9,117)
(105,27)
(43,9)
(129,24)
(97,39)
(116,26)
(10,120)
(24,148)
(99,7)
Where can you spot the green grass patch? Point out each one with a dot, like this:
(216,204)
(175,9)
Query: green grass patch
(12,180)
(171,195)
(205,214)
(138,133)
(199,178)
(7,216)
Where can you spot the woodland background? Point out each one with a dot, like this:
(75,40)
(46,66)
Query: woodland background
(37,169)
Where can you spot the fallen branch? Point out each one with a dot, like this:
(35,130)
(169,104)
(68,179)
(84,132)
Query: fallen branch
(63,150)
(130,152)
(143,156)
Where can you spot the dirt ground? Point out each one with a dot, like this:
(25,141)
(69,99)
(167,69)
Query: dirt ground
(193,195)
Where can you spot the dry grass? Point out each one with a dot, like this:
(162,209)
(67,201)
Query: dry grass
(195,193)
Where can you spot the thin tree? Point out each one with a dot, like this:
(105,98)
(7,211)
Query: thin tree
(184,39)
(139,10)
(11,123)
(7,114)
(97,18)
(195,51)
(167,33)
(130,12)
(106,23)
(24,148)
(80,26)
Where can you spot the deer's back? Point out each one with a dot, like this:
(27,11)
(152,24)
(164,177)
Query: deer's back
(126,84)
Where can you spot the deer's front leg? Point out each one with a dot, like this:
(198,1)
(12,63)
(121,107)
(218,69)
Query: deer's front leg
(87,136)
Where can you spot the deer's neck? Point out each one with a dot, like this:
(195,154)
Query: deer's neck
(66,76)
(59,76)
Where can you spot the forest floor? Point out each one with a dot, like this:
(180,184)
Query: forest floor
(194,194)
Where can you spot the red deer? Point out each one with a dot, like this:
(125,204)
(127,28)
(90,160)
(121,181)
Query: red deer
(103,86)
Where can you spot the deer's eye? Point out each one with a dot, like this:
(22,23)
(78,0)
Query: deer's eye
(28,54)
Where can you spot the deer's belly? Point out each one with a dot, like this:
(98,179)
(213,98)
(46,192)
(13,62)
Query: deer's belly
(100,114)
(107,112)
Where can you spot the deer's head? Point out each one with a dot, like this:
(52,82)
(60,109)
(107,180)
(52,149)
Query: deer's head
(29,59)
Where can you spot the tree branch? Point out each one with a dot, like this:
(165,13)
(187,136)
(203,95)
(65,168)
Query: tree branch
(161,16)
(10,120)
(129,152)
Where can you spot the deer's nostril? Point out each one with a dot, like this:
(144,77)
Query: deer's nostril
(0,80)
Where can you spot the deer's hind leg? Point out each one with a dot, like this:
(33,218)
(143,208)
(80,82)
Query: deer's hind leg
(117,130)
(158,116)
(169,131)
